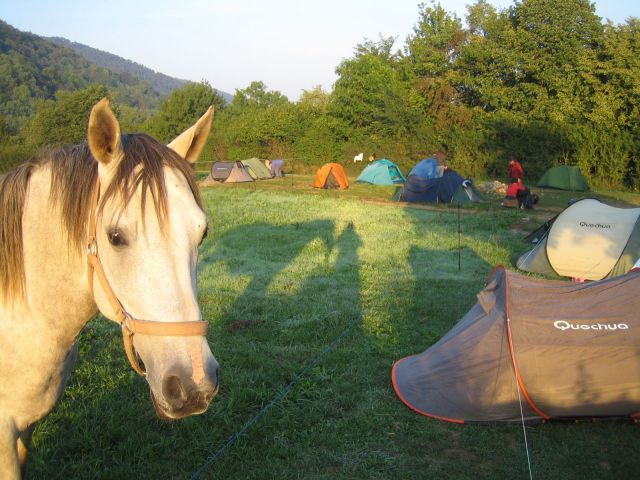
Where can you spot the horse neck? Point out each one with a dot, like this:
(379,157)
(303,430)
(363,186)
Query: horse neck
(57,295)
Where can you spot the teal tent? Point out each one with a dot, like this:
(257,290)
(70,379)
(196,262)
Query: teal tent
(381,172)
(564,177)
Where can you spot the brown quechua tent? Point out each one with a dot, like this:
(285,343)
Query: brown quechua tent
(331,175)
(558,349)
(238,174)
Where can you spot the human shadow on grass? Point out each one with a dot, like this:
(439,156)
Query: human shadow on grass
(446,277)
(273,331)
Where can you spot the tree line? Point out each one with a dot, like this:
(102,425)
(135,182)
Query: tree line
(545,81)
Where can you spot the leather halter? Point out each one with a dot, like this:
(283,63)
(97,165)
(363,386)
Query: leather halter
(128,324)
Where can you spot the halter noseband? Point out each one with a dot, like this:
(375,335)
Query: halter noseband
(130,325)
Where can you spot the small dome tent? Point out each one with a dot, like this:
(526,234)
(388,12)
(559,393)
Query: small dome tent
(238,174)
(589,240)
(564,177)
(426,168)
(331,175)
(567,350)
(381,172)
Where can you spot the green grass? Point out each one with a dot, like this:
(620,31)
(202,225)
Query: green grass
(285,270)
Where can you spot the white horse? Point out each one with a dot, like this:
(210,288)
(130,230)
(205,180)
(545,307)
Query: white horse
(358,158)
(112,225)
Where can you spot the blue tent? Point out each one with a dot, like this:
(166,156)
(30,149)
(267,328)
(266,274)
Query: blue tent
(450,188)
(381,172)
(427,168)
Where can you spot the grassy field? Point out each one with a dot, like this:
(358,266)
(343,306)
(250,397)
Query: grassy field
(285,273)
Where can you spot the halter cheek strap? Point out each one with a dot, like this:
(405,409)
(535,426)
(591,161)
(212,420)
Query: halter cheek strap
(128,324)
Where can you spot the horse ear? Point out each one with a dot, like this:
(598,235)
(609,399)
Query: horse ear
(190,143)
(103,133)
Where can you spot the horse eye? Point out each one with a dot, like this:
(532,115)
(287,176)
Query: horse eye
(116,238)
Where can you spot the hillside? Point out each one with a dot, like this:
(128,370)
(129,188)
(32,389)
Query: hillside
(33,69)
(160,82)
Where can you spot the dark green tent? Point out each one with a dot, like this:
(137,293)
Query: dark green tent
(564,177)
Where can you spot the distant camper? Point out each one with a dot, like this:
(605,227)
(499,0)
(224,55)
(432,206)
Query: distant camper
(515,170)
(276,167)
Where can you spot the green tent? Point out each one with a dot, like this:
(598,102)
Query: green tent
(467,193)
(564,177)
(257,169)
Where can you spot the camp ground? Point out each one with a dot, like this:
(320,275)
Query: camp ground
(532,349)
(564,177)
(311,296)
(588,240)
(381,172)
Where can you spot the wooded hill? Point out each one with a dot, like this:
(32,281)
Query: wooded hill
(33,69)
(47,89)
(161,83)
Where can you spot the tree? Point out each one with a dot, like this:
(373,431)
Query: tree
(436,41)
(372,97)
(260,122)
(430,54)
(181,108)
(316,100)
(64,120)
(256,95)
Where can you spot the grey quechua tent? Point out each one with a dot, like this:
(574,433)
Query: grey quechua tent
(220,170)
(558,349)
(230,172)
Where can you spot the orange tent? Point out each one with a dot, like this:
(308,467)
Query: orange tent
(331,175)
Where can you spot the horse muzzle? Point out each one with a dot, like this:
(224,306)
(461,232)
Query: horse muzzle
(181,397)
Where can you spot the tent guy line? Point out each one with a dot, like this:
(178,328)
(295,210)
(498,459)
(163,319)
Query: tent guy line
(276,398)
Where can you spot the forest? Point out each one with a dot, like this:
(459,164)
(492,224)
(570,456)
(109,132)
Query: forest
(545,81)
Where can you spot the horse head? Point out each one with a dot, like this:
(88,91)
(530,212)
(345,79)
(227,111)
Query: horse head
(148,223)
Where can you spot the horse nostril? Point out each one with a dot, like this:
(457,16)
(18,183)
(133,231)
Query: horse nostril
(173,391)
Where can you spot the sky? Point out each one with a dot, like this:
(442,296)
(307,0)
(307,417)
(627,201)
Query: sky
(290,45)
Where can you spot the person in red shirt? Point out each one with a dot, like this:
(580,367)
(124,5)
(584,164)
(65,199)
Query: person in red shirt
(518,191)
(515,170)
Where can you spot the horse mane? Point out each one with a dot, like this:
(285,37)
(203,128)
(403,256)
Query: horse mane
(73,178)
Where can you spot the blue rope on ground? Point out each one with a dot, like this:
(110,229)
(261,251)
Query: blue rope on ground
(279,396)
